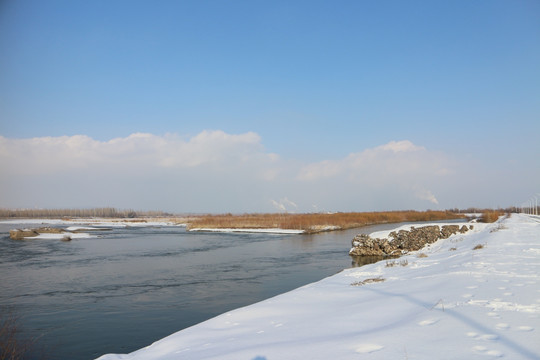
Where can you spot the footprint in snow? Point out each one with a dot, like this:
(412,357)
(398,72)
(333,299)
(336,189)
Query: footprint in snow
(428,322)
(368,348)
(525,328)
(502,326)
(487,337)
(485,351)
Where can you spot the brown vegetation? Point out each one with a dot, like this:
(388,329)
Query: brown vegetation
(368,281)
(491,216)
(12,345)
(315,222)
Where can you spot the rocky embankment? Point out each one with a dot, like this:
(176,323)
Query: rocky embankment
(403,241)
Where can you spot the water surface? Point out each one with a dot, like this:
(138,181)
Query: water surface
(126,288)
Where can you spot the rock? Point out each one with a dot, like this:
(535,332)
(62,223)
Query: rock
(449,230)
(403,241)
(18,234)
(416,238)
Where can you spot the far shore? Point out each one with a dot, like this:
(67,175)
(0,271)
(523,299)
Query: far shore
(284,223)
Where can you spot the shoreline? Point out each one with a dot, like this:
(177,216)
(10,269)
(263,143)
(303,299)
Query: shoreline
(462,297)
(189,223)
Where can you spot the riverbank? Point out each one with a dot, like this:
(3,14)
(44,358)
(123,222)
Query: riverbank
(281,223)
(468,296)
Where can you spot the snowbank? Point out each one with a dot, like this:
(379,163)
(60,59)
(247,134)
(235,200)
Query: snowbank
(93,222)
(266,231)
(60,236)
(451,302)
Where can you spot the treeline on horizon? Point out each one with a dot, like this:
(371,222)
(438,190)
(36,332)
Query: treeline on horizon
(106,212)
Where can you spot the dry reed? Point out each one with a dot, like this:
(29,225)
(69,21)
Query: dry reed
(316,221)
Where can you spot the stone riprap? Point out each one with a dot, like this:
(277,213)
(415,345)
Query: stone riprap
(403,241)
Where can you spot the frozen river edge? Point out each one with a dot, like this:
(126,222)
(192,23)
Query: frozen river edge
(473,295)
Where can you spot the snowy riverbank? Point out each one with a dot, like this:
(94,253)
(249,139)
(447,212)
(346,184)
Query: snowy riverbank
(453,302)
(93,222)
(262,231)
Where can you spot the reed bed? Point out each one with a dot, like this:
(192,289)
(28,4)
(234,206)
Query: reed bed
(315,222)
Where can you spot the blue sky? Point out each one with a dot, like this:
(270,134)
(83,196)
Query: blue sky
(299,83)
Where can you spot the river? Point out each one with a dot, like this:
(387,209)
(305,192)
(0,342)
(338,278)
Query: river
(128,287)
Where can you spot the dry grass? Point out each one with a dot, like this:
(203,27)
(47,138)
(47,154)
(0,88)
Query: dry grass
(13,346)
(315,222)
(491,216)
(368,281)
(421,255)
(478,247)
(396,263)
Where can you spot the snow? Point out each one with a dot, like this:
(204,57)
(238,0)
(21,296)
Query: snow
(81,228)
(61,236)
(93,222)
(34,221)
(456,303)
(235,230)
(384,234)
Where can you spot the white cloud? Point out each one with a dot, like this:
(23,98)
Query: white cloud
(396,161)
(400,146)
(212,171)
(284,205)
(51,154)
(427,195)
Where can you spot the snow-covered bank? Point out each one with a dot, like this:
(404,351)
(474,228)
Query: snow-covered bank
(93,222)
(62,235)
(452,303)
(265,231)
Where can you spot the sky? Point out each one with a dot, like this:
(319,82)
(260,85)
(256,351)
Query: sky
(265,106)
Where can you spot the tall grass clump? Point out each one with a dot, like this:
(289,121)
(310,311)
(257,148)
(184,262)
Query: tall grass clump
(12,345)
(490,216)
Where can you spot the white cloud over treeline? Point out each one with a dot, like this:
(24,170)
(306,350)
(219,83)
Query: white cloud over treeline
(213,171)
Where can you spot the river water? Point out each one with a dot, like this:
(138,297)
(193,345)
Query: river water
(126,288)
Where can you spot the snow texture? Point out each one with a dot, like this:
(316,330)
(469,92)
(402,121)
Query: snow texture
(92,222)
(454,303)
(61,236)
(266,231)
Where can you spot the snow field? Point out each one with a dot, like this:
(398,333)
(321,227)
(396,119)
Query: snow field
(456,303)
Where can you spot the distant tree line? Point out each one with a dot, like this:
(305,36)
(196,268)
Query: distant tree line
(107,212)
